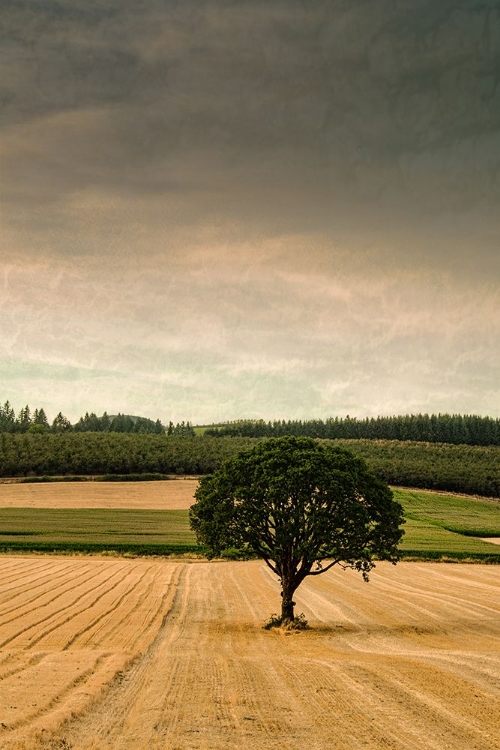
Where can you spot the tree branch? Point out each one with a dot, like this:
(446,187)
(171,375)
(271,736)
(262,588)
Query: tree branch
(270,565)
(323,570)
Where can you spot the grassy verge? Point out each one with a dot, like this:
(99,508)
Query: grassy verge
(99,478)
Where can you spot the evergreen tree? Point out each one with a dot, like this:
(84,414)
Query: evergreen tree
(24,419)
(158,428)
(183,429)
(105,423)
(7,418)
(61,424)
(39,423)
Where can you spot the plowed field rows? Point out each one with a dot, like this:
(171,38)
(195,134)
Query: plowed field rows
(113,654)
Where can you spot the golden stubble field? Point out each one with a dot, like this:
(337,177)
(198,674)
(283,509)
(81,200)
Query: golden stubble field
(174,494)
(100,653)
(109,653)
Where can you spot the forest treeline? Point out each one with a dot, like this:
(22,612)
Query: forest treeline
(36,421)
(457,429)
(455,468)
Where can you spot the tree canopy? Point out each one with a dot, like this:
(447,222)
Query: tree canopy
(303,507)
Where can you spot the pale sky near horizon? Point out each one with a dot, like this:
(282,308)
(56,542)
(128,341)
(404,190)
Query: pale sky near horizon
(245,209)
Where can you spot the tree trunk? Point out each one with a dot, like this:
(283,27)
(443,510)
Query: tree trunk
(287,603)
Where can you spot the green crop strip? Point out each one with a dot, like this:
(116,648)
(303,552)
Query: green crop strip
(134,531)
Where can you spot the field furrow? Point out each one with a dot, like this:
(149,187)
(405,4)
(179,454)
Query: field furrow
(44,593)
(135,617)
(63,613)
(42,685)
(14,580)
(106,607)
(63,684)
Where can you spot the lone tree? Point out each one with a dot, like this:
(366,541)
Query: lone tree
(303,507)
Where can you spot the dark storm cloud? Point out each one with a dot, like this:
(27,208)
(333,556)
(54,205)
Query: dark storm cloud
(304,115)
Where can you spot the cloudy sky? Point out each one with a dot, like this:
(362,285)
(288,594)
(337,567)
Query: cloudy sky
(229,209)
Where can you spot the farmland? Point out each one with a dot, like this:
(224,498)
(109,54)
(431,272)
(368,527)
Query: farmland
(448,525)
(170,495)
(100,653)
(151,518)
(109,653)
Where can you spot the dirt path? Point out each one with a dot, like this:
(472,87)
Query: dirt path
(122,655)
(173,494)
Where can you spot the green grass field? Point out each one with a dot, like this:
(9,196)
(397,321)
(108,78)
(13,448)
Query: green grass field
(465,515)
(156,532)
(438,526)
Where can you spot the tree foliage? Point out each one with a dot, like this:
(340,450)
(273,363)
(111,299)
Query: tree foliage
(301,506)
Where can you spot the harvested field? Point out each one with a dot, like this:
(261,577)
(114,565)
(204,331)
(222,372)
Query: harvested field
(175,494)
(103,654)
